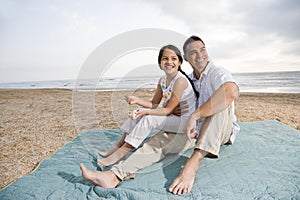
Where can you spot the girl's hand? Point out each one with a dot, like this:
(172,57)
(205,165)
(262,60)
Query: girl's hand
(131,99)
(140,113)
(181,108)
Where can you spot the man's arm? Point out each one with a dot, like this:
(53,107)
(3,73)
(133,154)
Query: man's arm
(219,101)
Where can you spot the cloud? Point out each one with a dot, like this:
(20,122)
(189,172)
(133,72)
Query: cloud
(253,17)
(278,17)
(245,35)
(52,34)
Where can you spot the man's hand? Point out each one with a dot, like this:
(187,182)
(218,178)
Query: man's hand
(191,127)
(181,108)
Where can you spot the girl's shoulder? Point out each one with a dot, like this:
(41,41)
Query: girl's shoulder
(181,80)
(163,82)
(181,77)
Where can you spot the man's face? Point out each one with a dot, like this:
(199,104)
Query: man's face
(197,56)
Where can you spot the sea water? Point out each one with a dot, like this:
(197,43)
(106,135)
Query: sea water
(263,82)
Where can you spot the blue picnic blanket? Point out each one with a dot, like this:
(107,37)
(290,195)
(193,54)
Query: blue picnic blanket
(263,163)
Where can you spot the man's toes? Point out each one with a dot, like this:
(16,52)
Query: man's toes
(181,191)
(172,186)
(185,191)
(176,190)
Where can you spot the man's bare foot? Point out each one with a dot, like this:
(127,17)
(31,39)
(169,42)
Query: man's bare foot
(116,156)
(184,182)
(105,179)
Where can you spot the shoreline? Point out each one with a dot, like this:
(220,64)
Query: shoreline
(126,89)
(35,123)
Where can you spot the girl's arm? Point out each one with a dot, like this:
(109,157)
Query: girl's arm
(179,86)
(146,103)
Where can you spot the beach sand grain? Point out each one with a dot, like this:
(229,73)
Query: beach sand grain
(34,123)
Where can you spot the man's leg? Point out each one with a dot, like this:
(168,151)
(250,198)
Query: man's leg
(215,131)
(151,152)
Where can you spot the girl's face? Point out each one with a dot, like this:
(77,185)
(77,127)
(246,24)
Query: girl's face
(169,62)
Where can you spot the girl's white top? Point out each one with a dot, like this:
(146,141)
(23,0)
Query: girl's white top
(188,95)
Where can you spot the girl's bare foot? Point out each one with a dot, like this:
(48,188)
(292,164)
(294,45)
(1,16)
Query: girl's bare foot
(116,156)
(105,179)
(110,151)
(119,144)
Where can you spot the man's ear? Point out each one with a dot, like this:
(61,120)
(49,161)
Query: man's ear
(184,57)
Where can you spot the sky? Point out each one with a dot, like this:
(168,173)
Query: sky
(52,39)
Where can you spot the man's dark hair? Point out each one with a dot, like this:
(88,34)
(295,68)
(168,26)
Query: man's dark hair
(191,39)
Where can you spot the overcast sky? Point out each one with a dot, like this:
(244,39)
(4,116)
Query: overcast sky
(50,40)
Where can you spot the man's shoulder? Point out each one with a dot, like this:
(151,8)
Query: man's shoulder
(213,70)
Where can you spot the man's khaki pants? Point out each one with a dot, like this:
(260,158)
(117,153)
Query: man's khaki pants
(215,131)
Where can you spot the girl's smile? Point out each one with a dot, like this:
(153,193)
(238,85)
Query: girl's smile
(170,62)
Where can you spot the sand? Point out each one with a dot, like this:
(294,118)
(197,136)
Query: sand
(36,123)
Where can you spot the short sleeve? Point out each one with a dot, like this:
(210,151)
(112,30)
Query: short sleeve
(219,76)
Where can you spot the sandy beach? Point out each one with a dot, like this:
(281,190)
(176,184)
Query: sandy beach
(36,123)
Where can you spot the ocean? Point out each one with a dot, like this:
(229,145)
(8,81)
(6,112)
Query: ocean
(262,82)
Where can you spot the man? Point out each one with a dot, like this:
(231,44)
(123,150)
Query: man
(212,124)
(215,114)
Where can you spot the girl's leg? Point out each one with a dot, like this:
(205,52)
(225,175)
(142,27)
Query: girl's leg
(150,123)
(115,157)
(139,133)
(115,147)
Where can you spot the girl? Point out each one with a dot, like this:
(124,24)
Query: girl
(174,87)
